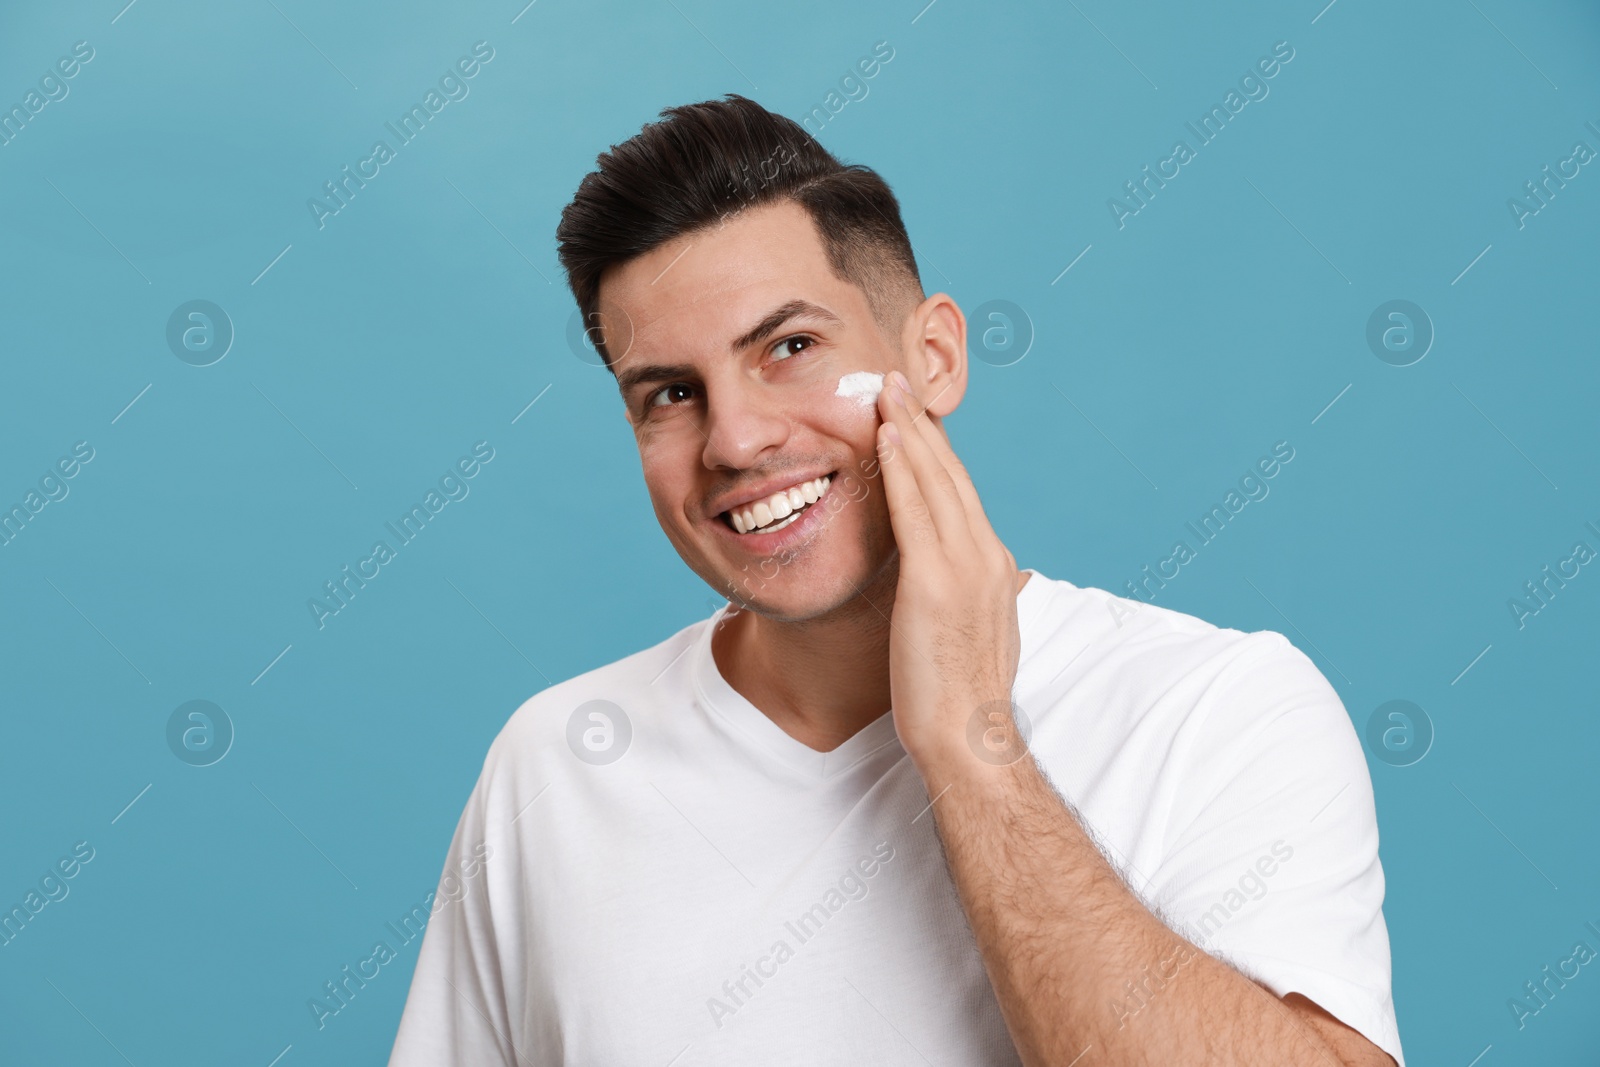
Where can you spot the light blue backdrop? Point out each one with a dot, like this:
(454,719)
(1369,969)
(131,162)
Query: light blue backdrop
(1164,356)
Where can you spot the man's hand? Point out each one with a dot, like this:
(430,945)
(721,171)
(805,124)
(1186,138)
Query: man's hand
(955,643)
(1058,929)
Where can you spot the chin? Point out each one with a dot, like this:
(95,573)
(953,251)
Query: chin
(794,606)
(803,566)
(819,581)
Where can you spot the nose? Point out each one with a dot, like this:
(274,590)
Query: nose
(743,423)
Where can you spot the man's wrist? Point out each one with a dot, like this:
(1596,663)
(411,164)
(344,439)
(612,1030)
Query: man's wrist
(970,765)
(984,733)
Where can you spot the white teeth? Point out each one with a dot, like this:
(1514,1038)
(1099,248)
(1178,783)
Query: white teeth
(781,508)
(780,525)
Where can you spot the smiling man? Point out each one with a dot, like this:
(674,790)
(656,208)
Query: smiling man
(898,801)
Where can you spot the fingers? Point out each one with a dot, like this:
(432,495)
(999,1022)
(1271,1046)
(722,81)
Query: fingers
(908,515)
(978,525)
(935,435)
(930,500)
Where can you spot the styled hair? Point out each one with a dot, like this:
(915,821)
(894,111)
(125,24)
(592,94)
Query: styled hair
(702,163)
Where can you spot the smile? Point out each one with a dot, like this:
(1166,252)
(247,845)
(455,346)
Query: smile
(779,510)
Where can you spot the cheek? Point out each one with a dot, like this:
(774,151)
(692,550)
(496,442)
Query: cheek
(666,443)
(846,408)
(663,463)
(858,392)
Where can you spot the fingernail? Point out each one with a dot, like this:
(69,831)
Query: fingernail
(901,380)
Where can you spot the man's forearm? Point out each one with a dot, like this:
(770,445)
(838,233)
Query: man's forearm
(1067,945)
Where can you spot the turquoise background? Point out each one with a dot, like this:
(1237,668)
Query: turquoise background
(370,354)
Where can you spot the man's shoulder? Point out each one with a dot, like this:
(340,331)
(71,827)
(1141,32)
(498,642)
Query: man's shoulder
(1157,643)
(1235,697)
(611,688)
(1123,668)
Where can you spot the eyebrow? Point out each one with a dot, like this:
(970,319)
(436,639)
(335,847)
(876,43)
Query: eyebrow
(780,315)
(769,325)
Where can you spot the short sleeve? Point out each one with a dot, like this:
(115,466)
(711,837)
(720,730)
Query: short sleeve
(456,1011)
(1271,856)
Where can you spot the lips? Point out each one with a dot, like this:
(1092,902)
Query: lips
(771,507)
(777,509)
(799,526)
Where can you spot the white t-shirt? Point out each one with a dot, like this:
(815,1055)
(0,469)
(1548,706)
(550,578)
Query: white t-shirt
(722,894)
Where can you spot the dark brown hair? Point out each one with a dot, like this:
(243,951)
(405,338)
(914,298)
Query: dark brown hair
(704,162)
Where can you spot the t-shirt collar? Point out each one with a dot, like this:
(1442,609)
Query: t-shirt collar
(727,702)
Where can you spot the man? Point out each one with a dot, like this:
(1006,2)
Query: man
(898,801)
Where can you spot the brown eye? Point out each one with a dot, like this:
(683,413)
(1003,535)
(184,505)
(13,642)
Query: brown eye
(787,341)
(656,398)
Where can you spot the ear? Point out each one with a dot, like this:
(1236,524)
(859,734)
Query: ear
(935,347)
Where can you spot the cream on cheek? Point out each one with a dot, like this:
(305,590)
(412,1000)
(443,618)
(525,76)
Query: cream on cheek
(861,388)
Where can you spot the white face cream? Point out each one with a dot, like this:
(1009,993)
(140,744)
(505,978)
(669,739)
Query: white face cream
(863,387)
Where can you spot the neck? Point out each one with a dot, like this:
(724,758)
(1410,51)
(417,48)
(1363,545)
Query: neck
(821,680)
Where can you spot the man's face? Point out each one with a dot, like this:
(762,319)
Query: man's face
(724,412)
